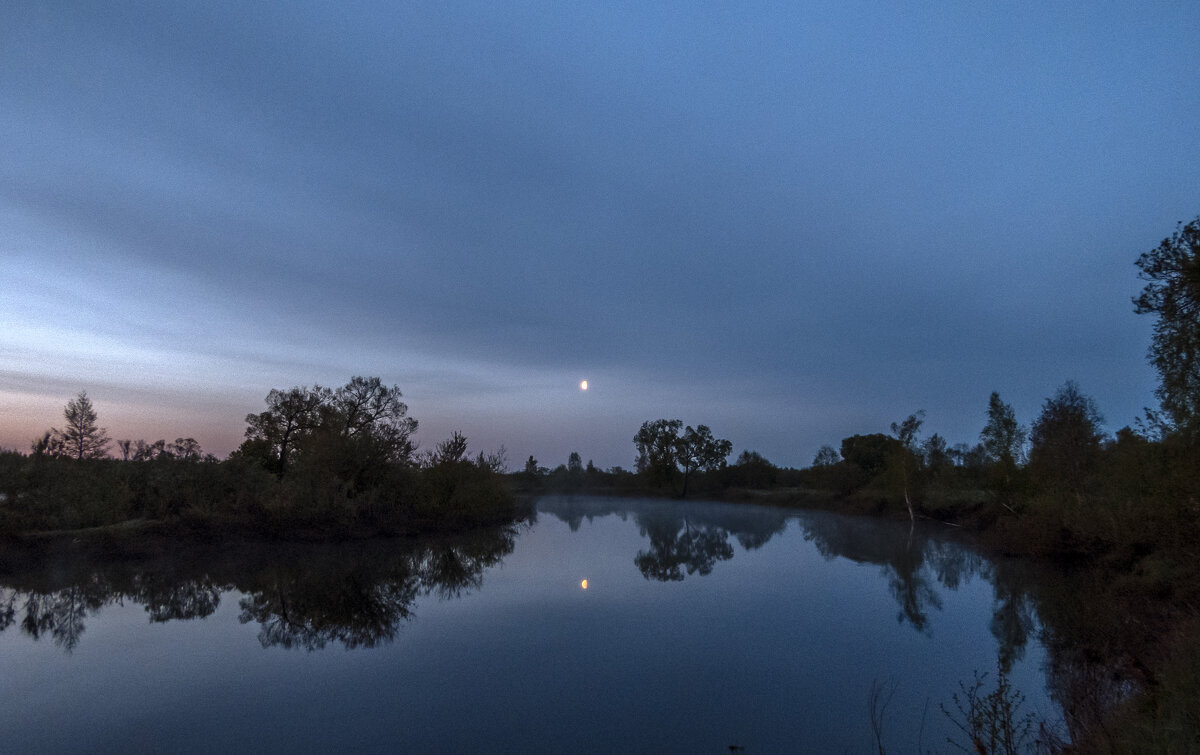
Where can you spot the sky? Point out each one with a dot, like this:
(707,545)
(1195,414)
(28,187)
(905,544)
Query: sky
(792,222)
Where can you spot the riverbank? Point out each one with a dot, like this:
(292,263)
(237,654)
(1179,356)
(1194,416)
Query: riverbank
(1133,615)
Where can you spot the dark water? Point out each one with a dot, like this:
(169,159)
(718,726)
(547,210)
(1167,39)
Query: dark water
(701,626)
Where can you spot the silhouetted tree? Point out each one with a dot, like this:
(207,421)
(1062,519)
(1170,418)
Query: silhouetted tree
(826,456)
(1065,440)
(143,451)
(450,450)
(575,463)
(373,413)
(869,452)
(353,431)
(906,458)
(1002,437)
(752,470)
(935,453)
(531,467)
(699,450)
(275,433)
(1172,292)
(186,449)
(494,461)
(655,442)
(906,431)
(81,438)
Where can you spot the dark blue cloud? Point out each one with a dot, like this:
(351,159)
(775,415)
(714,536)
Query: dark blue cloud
(802,221)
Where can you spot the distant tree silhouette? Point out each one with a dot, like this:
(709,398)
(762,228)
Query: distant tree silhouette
(1002,437)
(826,456)
(935,452)
(186,449)
(356,427)
(655,442)
(450,450)
(698,450)
(276,432)
(869,452)
(81,438)
(1066,440)
(664,452)
(752,470)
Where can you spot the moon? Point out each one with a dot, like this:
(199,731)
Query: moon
(583,385)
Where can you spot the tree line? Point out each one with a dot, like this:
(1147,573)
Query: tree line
(317,462)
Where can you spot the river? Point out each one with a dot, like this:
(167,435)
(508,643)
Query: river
(601,625)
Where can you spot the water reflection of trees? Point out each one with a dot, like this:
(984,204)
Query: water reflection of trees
(355,595)
(684,537)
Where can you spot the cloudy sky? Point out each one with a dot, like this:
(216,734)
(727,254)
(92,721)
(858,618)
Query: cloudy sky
(789,221)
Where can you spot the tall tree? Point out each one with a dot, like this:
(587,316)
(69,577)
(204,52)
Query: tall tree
(82,438)
(655,442)
(1065,440)
(1003,437)
(664,451)
(1172,292)
(361,426)
(698,450)
(290,414)
(907,458)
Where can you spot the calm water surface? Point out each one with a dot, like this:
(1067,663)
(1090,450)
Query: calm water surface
(701,626)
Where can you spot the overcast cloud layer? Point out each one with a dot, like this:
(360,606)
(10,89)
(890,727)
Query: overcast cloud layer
(790,223)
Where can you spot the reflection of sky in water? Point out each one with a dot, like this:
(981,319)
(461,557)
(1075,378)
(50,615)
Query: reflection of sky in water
(775,649)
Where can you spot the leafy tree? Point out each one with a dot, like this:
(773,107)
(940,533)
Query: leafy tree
(531,467)
(369,410)
(752,470)
(969,457)
(1002,437)
(81,438)
(496,461)
(143,451)
(699,450)
(187,449)
(1003,440)
(655,442)
(826,456)
(1172,292)
(935,452)
(359,427)
(869,452)
(663,451)
(575,463)
(276,432)
(449,451)
(1066,439)
(907,430)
